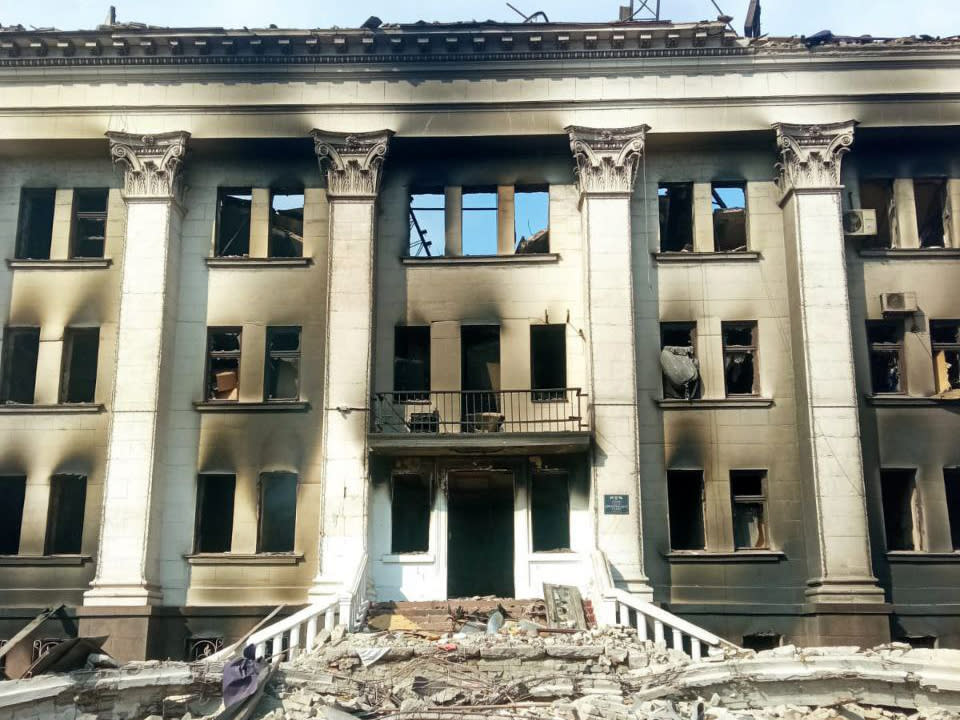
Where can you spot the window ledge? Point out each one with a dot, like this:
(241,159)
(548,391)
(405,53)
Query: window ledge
(244,558)
(910,400)
(558,556)
(246,407)
(408,558)
(531,259)
(910,253)
(62,409)
(714,403)
(45,560)
(915,556)
(257,262)
(695,257)
(737,556)
(64,264)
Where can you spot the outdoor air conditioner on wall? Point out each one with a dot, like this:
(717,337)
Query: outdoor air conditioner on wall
(860,222)
(898,303)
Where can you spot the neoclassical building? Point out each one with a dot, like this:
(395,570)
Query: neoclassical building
(442,311)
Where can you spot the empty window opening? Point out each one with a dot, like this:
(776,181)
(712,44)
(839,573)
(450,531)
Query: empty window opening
(480,378)
(760,641)
(930,196)
(685,503)
(531,220)
(919,642)
(550,511)
(411,363)
(278,512)
(951,482)
(885,341)
(13,490)
(901,509)
(89,222)
(223,364)
(233,222)
(282,370)
(80,349)
(678,361)
(479,223)
(729,217)
(748,492)
(68,494)
(286,224)
(676,217)
(410,514)
(35,231)
(214,528)
(427,222)
(945,343)
(740,358)
(20,349)
(877,195)
(548,361)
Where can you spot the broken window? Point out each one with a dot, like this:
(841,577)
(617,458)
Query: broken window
(282,369)
(886,356)
(729,217)
(68,494)
(35,231)
(13,490)
(759,641)
(410,514)
(20,349)
(748,492)
(278,512)
(89,222)
(945,343)
(740,358)
(286,224)
(223,364)
(411,363)
(80,349)
(548,361)
(919,642)
(951,482)
(685,506)
(479,223)
(901,509)
(678,361)
(676,217)
(233,222)
(531,219)
(877,195)
(214,524)
(427,222)
(550,511)
(480,378)
(930,196)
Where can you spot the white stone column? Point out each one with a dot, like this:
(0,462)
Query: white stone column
(607,162)
(353,164)
(126,567)
(828,423)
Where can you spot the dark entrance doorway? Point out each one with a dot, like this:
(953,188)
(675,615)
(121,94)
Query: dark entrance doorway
(480,534)
(479,374)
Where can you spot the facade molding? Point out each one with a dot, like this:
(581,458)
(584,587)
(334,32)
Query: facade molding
(607,159)
(151,163)
(351,162)
(811,154)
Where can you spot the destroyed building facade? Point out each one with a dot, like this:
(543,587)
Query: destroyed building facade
(454,310)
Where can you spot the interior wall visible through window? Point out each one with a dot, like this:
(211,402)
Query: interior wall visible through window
(214,523)
(223,364)
(930,195)
(740,369)
(286,224)
(89,222)
(685,498)
(885,342)
(877,195)
(945,344)
(282,367)
(729,203)
(233,222)
(901,509)
(679,366)
(411,363)
(68,495)
(748,491)
(676,216)
(81,347)
(35,228)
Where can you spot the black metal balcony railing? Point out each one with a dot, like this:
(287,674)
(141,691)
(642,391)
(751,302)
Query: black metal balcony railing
(479,411)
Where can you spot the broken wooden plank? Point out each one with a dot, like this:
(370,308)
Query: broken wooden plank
(29,628)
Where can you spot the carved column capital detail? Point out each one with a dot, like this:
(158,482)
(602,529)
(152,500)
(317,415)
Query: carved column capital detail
(810,155)
(352,161)
(607,159)
(151,164)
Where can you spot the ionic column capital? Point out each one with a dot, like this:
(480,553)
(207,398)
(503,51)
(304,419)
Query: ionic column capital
(151,164)
(607,159)
(810,155)
(352,161)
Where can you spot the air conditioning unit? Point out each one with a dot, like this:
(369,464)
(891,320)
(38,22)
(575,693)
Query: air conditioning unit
(860,222)
(898,303)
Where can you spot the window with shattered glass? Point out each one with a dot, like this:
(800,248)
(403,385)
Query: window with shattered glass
(945,344)
(675,202)
(740,358)
(223,364)
(282,370)
(286,224)
(886,356)
(427,222)
(678,361)
(233,222)
(749,497)
(729,205)
(930,196)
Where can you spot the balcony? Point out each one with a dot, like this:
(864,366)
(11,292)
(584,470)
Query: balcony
(480,422)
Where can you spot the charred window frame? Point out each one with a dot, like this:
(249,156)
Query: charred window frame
(410,504)
(282,366)
(427,222)
(945,344)
(21,348)
(89,228)
(685,502)
(286,223)
(902,520)
(680,368)
(885,344)
(478,223)
(35,224)
(78,383)
(531,219)
(411,363)
(675,201)
(548,362)
(13,492)
(214,520)
(276,529)
(951,484)
(741,371)
(748,494)
(234,207)
(222,377)
(729,204)
(550,511)
(68,494)
(930,197)
(877,195)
